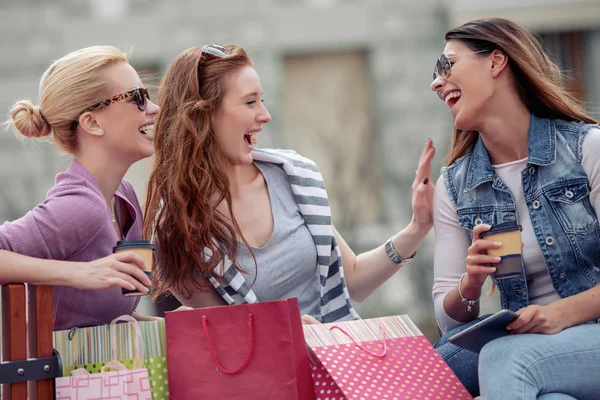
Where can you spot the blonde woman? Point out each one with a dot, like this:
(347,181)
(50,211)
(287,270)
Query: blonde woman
(96,108)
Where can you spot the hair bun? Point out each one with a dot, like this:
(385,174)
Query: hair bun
(27,118)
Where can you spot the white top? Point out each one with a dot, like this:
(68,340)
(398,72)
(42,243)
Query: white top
(451,242)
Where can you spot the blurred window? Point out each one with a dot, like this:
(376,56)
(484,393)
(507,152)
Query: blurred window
(328,107)
(566,49)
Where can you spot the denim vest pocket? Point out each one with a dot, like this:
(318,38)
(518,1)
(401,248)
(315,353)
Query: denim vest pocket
(469,218)
(571,205)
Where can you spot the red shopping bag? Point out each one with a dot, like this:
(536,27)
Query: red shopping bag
(380,358)
(247,351)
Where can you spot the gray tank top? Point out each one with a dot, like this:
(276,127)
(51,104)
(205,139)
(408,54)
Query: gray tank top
(287,264)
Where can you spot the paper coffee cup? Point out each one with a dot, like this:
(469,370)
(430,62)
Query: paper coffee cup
(144,249)
(509,234)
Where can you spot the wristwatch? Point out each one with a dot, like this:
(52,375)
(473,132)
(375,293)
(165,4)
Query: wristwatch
(393,255)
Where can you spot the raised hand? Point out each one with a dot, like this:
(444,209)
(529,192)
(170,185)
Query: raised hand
(423,188)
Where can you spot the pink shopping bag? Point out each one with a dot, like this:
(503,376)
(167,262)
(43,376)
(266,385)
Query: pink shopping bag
(381,358)
(118,384)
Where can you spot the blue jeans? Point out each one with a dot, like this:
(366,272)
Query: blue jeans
(535,366)
(461,361)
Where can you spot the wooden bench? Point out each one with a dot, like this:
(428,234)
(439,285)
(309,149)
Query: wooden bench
(29,364)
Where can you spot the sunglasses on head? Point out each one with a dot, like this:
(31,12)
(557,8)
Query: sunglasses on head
(443,66)
(210,51)
(140,96)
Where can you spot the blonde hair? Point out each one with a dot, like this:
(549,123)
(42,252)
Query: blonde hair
(69,86)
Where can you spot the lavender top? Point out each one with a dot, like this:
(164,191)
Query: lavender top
(74,224)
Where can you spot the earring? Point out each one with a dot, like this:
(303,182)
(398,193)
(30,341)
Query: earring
(100,131)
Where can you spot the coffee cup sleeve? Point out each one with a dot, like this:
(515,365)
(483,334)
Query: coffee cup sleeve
(510,266)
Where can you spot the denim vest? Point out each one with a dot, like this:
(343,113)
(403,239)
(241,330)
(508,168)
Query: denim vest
(556,190)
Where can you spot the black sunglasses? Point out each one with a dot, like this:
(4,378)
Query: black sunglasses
(210,51)
(140,95)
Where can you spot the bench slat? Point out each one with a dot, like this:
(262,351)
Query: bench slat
(14,334)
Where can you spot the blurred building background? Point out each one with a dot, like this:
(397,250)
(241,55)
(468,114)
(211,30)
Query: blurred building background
(346,82)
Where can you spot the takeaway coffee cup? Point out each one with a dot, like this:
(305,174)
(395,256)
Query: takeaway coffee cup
(144,249)
(509,234)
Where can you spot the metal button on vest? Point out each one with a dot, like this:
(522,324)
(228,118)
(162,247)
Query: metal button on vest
(535,204)
(531,170)
(478,221)
(549,240)
(562,275)
(569,194)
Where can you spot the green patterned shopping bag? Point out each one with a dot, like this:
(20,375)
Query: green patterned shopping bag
(90,348)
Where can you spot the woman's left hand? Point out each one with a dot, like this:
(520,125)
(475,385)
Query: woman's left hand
(423,188)
(141,317)
(538,319)
(309,320)
(183,308)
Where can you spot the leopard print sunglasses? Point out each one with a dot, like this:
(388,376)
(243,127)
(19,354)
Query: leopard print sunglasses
(140,95)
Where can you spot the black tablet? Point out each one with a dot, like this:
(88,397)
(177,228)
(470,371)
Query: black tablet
(475,337)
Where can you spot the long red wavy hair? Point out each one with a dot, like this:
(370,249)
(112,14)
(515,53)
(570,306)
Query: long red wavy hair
(187,180)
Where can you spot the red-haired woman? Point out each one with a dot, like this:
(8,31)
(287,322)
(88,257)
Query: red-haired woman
(233,223)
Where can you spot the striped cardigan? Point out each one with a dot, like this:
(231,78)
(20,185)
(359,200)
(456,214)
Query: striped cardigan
(309,191)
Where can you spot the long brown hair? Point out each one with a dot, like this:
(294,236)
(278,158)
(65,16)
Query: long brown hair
(538,79)
(191,236)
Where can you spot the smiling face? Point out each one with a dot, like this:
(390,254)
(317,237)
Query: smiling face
(240,116)
(128,132)
(468,87)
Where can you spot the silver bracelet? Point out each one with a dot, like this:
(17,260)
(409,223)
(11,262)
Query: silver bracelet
(393,254)
(465,301)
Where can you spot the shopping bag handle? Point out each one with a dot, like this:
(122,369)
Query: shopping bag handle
(362,348)
(114,364)
(248,353)
(139,341)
